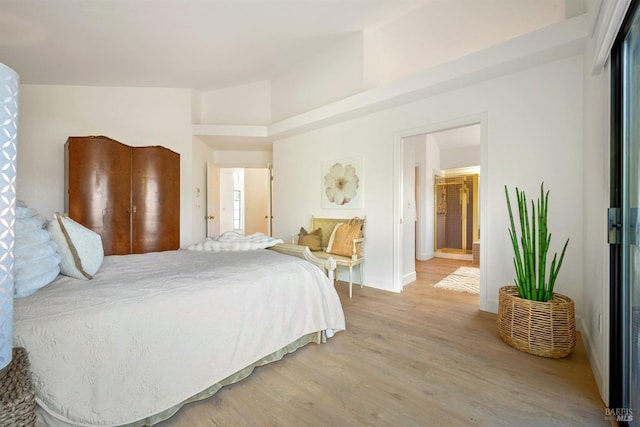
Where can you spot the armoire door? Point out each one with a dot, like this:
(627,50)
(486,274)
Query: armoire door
(98,189)
(128,195)
(155,193)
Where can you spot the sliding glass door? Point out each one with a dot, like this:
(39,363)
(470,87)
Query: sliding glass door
(630,204)
(625,260)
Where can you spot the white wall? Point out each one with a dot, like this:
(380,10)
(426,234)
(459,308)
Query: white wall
(332,74)
(596,176)
(196,106)
(248,104)
(534,134)
(460,157)
(442,31)
(134,116)
(243,159)
(298,183)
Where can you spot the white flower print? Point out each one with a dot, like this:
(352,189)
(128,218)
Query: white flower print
(341,184)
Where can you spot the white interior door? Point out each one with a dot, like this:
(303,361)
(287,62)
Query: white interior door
(227,207)
(257,200)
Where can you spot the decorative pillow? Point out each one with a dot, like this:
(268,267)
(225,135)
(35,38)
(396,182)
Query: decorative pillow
(313,240)
(341,240)
(80,248)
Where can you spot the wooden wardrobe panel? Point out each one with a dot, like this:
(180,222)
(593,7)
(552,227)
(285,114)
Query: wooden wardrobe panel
(156,199)
(99,189)
(128,195)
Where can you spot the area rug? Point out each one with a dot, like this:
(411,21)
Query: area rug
(464,279)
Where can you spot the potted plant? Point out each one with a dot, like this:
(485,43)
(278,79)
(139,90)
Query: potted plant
(531,316)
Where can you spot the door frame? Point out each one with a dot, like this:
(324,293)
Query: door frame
(398,214)
(213,192)
(212,199)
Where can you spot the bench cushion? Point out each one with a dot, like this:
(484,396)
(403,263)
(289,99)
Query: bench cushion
(340,260)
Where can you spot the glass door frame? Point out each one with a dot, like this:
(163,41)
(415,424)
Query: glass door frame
(620,357)
(463,197)
(470,183)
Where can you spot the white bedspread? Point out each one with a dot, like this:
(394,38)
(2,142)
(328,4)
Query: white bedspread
(232,241)
(152,330)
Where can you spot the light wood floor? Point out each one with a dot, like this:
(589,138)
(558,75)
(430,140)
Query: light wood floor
(426,357)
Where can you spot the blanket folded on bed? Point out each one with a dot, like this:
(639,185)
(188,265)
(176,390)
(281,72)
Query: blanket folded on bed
(232,241)
(36,259)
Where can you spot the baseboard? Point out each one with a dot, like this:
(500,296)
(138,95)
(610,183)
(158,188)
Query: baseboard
(463,257)
(594,360)
(425,257)
(380,285)
(489,305)
(409,278)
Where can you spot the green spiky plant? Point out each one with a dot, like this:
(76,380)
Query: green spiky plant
(531,262)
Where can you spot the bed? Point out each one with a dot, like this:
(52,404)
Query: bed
(151,332)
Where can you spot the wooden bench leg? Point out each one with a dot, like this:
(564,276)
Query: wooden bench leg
(350,281)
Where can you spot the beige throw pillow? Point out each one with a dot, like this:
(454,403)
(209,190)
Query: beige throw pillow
(313,240)
(341,240)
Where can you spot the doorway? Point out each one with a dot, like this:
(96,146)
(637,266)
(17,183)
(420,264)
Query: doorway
(424,143)
(238,199)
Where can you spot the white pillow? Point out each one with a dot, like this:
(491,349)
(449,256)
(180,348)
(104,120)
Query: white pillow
(80,248)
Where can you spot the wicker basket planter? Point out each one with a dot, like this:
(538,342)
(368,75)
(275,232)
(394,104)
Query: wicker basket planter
(542,328)
(17,397)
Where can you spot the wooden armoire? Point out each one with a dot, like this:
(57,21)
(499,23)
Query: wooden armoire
(128,195)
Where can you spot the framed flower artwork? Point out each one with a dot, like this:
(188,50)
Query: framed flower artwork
(342,184)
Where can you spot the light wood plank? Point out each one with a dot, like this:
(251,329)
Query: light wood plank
(423,357)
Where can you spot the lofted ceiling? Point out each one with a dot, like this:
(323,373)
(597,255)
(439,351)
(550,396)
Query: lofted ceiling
(200,44)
